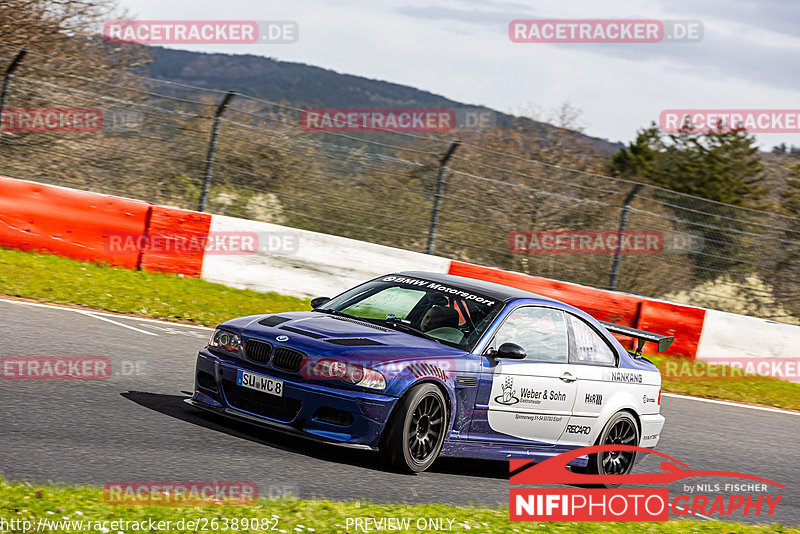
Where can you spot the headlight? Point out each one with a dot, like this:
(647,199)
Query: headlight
(225,340)
(352,373)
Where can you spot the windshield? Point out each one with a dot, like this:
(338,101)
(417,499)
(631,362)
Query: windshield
(440,312)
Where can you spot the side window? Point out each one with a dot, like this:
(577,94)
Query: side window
(588,346)
(542,332)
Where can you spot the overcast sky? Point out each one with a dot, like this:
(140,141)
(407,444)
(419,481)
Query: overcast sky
(749,56)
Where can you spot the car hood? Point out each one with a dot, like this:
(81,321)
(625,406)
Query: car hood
(321,334)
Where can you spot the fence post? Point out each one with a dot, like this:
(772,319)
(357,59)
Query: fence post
(6,79)
(623,222)
(212,150)
(437,199)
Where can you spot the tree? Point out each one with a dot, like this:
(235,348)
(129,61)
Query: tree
(68,65)
(721,165)
(785,274)
(68,29)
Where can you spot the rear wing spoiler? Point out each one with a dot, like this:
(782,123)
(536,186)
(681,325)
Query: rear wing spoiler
(663,342)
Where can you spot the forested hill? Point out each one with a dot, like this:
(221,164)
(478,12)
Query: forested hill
(309,86)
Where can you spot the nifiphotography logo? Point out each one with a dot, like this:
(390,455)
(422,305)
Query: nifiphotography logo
(631,504)
(508,397)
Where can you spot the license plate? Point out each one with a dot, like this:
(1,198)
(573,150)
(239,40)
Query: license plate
(260,383)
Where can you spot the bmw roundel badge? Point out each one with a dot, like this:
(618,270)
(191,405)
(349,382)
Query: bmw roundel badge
(282,338)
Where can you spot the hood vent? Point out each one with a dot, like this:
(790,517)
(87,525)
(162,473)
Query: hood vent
(354,342)
(364,323)
(273,320)
(302,332)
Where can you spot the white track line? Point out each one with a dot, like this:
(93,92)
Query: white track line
(701,516)
(104,314)
(123,325)
(727,403)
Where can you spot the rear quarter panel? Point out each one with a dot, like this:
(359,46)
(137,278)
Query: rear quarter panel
(604,391)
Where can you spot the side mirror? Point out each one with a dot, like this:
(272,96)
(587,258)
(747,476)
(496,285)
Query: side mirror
(510,351)
(319,301)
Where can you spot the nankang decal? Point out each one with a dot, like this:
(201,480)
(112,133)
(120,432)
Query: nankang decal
(624,376)
(439,287)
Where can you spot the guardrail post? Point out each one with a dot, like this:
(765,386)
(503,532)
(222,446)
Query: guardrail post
(6,79)
(212,150)
(437,199)
(623,223)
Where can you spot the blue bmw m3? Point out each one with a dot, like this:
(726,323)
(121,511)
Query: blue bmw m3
(421,365)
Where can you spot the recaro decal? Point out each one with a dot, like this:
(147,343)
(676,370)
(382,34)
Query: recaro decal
(578,429)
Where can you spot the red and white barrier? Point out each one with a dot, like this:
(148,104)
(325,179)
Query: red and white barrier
(80,225)
(683,322)
(727,335)
(305,264)
(172,226)
(68,222)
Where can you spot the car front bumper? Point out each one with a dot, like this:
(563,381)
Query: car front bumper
(308,408)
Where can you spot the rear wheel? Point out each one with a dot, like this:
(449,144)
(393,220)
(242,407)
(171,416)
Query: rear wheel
(415,433)
(621,429)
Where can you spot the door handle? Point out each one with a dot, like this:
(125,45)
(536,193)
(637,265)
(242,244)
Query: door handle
(566,377)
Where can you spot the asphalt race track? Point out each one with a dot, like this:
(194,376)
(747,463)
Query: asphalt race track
(134,426)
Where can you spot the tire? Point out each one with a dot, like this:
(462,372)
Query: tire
(620,429)
(414,436)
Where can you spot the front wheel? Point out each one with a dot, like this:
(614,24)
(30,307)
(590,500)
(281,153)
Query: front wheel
(415,433)
(621,429)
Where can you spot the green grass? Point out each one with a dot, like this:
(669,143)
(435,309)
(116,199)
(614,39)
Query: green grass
(62,280)
(26,502)
(755,390)
(56,279)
